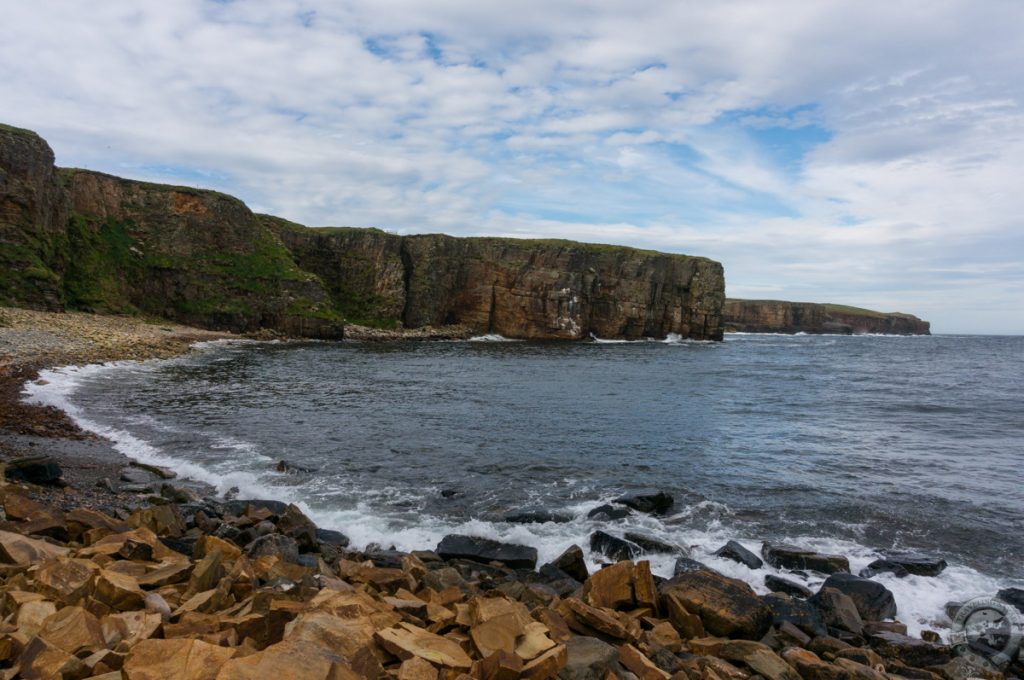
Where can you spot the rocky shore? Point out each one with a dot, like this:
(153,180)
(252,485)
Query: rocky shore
(115,571)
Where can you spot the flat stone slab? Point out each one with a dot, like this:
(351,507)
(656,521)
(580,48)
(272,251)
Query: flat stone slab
(476,549)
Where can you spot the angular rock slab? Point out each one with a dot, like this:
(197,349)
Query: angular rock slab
(651,501)
(177,659)
(737,553)
(407,640)
(727,607)
(874,601)
(782,556)
(456,546)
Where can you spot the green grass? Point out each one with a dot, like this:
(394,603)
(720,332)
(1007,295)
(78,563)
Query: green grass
(21,132)
(101,265)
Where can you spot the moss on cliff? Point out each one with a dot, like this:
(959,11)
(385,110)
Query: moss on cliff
(103,265)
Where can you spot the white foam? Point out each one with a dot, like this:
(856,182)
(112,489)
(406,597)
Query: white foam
(919,599)
(492,337)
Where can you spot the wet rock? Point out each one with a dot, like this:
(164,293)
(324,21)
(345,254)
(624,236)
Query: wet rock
(827,646)
(611,587)
(916,563)
(608,512)
(291,468)
(455,546)
(783,556)
(811,667)
(449,493)
(651,501)
(614,547)
(572,563)
(535,516)
(588,659)
(685,565)
(737,553)
(798,612)
(777,584)
(686,623)
(727,607)
(882,566)
(41,470)
(652,545)
(908,650)
(158,471)
(294,524)
(838,610)
(1014,596)
(331,537)
(282,547)
(874,601)
(240,508)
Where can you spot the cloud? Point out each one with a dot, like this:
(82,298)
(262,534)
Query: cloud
(865,153)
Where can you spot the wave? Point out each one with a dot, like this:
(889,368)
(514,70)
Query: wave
(492,337)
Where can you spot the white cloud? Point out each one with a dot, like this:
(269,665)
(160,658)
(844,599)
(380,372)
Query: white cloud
(673,125)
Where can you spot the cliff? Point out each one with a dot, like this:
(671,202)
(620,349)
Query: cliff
(76,239)
(777,316)
(536,289)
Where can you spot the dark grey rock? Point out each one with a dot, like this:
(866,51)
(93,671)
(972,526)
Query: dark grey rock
(882,567)
(652,545)
(589,659)
(282,547)
(782,556)
(331,537)
(535,516)
(571,562)
(238,508)
(484,550)
(685,565)
(800,613)
(777,584)
(41,470)
(737,553)
(916,563)
(614,547)
(908,650)
(874,601)
(839,612)
(650,501)
(608,512)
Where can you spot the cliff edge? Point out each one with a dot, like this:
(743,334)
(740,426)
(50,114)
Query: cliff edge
(778,316)
(83,240)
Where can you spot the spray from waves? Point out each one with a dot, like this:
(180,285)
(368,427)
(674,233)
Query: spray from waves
(700,527)
(492,337)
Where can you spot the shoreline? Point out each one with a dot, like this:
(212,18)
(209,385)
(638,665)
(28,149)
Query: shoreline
(567,609)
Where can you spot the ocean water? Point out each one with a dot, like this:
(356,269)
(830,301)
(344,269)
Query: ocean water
(848,444)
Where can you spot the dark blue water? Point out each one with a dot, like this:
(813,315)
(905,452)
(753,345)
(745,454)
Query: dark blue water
(852,444)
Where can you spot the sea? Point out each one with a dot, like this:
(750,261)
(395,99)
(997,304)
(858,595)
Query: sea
(844,444)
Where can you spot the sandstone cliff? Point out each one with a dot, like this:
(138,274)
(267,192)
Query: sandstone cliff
(76,239)
(539,289)
(777,316)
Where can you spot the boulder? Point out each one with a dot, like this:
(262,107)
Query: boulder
(1014,596)
(22,550)
(915,563)
(800,613)
(650,501)
(176,659)
(737,553)
(455,546)
(874,601)
(614,547)
(406,640)
(572,563)
(294,524)
(588,659)
(73,629)
(686,564)
(652,545)
(608,512)
(277,545)
(782,556)
(908,650)
(639,665)
(65,579)
(42,470)
(777,584)
(882,566)
(240,508)
(118,591)
(838,610)
(331,537)
(162,520)
(611,587)
(535,516)
(811,667)
(42,659)
(759,658)
(727,607)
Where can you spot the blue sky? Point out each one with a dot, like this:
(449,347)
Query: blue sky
(866,153)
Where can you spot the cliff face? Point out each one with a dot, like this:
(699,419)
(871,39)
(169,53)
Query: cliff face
(777,316)
(33,212)
(84,240)
(524,289)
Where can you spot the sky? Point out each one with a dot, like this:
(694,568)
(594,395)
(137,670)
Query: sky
(852,151)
